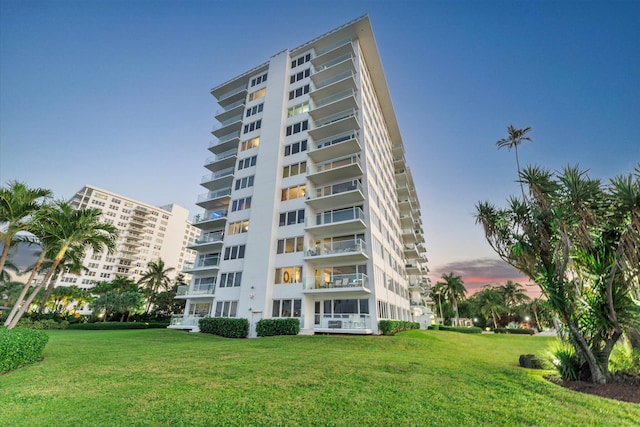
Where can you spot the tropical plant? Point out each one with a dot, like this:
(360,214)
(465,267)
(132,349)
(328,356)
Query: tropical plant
(121,295)
(17,205)
(490,303)
(579,241)
(454,290)
(61,228)
(154,279)
(513,295)
(513,140)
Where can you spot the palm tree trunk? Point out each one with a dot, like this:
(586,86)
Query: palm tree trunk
(47,294)
(519,180)
(495,322)
(5,253)
(23,294)
(38,288)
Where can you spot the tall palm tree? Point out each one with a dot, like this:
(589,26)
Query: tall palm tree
(71,263)
(155,278)
(513,294)
(491,304)
(453,288)
(437,292)
(62,227)
(513,140)
(17,204)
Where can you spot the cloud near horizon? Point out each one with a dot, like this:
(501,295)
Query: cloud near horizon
(477,273)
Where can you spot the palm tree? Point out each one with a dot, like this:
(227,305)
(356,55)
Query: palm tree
(513,294)
(437,291)
(490,304)
(17,204)
(4,273)
(71,263)
(155,278)
(62,227)
(515,138)
(453,288)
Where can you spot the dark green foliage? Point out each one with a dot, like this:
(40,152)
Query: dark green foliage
(463,329)
(567,362)
(521,331)
(392,327)
(531,361)
(20,347)
(103,326)
(271,327)
(47,324)
(225,327)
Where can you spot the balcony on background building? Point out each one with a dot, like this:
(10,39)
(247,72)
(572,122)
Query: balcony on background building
(335,146)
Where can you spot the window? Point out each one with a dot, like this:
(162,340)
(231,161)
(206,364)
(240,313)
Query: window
(234,252)
(298,109)
(248,162)
(229,280)
(299,61)
(293,192)
(297,127)
(250,143)
(290,245)
(299,75)
(291,217)
(245,182)
(253,126)
(257,94)
(286,308)
(294,169)
(226,309)
(296,147)
(288,275)
(241,204)
(259,79)
(238,227)
(302,90)
(254,110)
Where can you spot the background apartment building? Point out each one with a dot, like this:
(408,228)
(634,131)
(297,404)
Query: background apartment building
(311,211)
(146,234)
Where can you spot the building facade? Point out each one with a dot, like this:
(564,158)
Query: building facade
(311,211)
(146,234)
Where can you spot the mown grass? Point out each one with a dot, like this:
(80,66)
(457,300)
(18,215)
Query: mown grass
(172,378)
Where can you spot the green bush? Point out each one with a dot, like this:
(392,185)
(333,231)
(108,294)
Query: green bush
(625,360)
(566,362)
(20,346)
(392,327)
(45,324)
(225,327)
(520,331)
(462,329)
(103,326)
(272,327)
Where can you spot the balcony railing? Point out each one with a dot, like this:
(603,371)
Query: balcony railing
(210,237)
(208,216)
(333,164)
(340,215)
(202,263)
(336,139)
(231,93)
(343,321)
(342,187)
(339,247)
(354,280)
(213,195)
(332,62)
(333,46)
(216,175)
(224,139)
(222,156)
(342,76)
(185,319)
(196,290)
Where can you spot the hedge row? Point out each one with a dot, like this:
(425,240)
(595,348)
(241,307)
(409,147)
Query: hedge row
(462,329)
(514,331)
(46,324)
(271,327)
(20,346)
(225,327)
(103,326)
(392,327)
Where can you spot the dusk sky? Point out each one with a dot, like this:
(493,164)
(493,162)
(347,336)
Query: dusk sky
(115,94)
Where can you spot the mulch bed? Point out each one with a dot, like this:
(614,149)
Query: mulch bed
(627,390)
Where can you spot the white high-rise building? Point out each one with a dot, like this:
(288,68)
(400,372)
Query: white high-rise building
(311,211)
(146,234)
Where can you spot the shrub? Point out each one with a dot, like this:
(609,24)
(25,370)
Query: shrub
(566,362)
(625,360)
(20,346)
(462,329)
(46,324)
(531,361)
(103,326)
(272,327)
(225,327)
(392,327)
(520,331)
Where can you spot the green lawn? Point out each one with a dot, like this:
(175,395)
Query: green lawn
(173,378)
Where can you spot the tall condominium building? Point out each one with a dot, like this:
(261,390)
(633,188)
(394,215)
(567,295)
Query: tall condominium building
(146,234)
(311,211)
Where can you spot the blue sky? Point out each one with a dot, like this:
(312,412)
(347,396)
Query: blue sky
(116,94)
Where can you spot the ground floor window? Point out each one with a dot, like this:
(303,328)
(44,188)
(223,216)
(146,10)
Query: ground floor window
(287,308)
(340,308)
(226,309)
(200,309)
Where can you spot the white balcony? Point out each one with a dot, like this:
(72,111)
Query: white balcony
(185,321)
(227,96)
(201,265)
(227,143)
(222,161)
(343,251)
(196,291)
(217,180)
(334,103)
(228,127)
(214,199)
(207,242)
(341,194)
(334,147)
(338,283)
(344,324)
(335,170)
(336,222)
(211,220)
(334,50)
(334,124)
